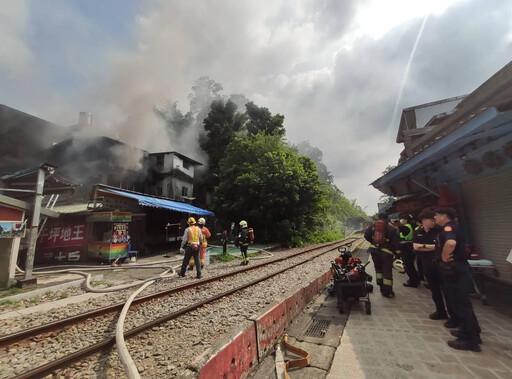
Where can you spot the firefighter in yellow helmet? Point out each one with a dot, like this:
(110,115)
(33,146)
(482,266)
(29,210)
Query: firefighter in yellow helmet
(243,241)
(190,244)
(202,250)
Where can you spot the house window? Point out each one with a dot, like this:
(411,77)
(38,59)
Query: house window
(160,160)
(186,165)
(184,191)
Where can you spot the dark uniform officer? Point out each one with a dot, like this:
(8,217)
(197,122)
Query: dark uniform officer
(406,252)
(382,256)
(457,279)
(424,243)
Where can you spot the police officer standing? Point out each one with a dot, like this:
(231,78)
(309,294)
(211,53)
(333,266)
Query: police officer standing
(406,252)
(457,278)
(424,243)
(383,240)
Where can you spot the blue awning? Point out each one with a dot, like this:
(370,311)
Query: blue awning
(161,203)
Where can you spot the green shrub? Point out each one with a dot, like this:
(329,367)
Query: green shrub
(64,295)
(8,302)
(35,300)
(12,291)
(326,236)
(223,258)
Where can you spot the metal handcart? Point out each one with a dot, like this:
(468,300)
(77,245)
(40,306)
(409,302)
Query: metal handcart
(351,281)
(477,268)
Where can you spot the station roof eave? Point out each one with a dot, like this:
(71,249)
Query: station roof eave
(45,212)
(392,183)
(24,182)
(158,202)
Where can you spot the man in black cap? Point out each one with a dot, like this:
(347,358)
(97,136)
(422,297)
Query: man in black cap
(424,242)
(456,279)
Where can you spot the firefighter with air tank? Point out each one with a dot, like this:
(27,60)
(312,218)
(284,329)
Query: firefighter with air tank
(383,240)
(245,236)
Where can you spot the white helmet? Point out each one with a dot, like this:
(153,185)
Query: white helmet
(243,224)
(398,265)
(201,221)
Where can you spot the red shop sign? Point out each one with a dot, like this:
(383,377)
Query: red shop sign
(65,234)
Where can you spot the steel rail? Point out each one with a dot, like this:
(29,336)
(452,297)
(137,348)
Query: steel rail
(49,367)
(21,335)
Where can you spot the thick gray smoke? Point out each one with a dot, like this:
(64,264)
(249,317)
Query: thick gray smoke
(332,68)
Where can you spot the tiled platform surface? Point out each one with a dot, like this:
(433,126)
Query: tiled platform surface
(399,341)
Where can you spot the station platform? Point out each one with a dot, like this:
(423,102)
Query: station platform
(397,340)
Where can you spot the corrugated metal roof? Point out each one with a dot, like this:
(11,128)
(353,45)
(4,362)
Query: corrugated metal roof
(150,201)
(71,208)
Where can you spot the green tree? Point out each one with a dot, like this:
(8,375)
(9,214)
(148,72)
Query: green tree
(305,148)
(204,92)
(175,121)
(259,119)
(221,126)
(267,183)
(335,208)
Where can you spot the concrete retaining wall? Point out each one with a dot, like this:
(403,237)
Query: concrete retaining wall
(236,355)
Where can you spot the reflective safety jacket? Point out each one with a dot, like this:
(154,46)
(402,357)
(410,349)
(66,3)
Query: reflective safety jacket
(408,236)
(206,234)
(192,236)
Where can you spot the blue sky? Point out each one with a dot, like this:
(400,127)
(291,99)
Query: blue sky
(332,68)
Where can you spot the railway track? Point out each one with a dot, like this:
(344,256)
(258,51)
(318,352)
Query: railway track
(179,296)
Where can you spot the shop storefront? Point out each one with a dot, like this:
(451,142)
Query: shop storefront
(63,240)
(108,237)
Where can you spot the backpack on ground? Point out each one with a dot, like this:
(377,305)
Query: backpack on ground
(379,232)
(251,235)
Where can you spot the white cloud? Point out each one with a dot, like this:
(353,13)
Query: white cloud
(376,18)
(15,55)
(332,68)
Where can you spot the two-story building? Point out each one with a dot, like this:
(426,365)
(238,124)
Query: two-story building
(172,175)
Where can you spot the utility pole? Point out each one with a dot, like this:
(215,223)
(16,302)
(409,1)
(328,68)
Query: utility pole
(29,264)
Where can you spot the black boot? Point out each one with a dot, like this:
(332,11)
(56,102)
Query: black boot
(438,316)
(460,335)
(464,345)
(451,323)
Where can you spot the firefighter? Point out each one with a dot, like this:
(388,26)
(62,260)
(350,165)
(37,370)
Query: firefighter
(383,240)
(243,241)
(202,250)
(457,279)
(406,251)
(190,244)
